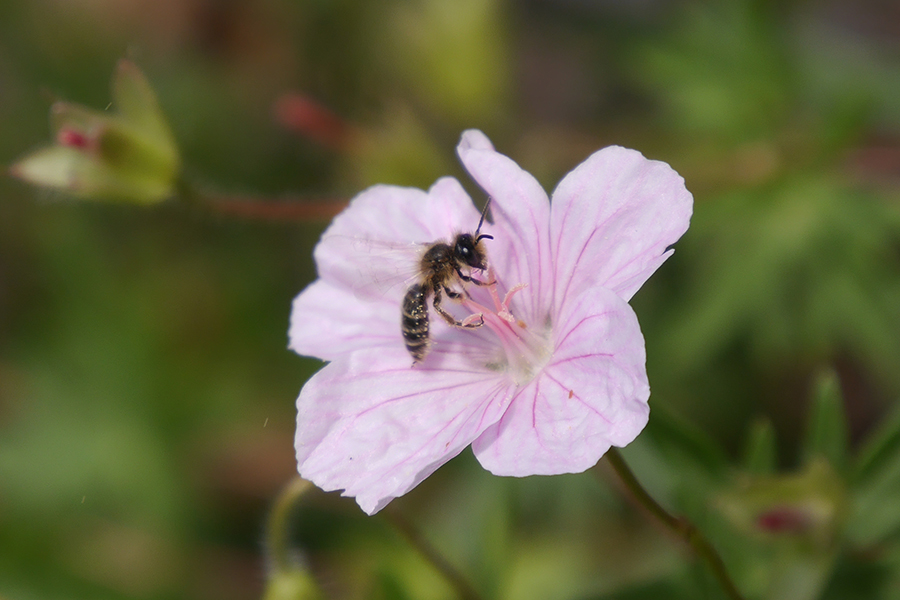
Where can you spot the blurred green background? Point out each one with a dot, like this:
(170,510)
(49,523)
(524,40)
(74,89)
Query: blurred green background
(146,393)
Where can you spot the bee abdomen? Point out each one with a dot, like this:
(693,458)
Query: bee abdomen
(414,323)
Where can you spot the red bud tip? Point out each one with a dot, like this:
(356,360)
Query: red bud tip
(72,138)
(783,520)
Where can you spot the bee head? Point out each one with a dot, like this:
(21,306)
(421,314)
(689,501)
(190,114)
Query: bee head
(469,251)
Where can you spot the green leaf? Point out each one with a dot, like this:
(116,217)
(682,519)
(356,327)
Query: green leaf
(135,100)
(876,485)
(874,515)
(761,451)
(879,449)
(826,434)
(677,463)
(686,444)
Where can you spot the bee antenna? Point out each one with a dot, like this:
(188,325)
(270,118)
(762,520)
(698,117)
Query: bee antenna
(481,222)
(483,236)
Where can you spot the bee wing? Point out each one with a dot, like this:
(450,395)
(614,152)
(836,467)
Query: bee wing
(372,268)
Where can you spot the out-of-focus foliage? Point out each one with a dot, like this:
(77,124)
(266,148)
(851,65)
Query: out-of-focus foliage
(146,398)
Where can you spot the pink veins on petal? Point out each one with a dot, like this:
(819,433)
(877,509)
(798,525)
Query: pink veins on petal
(554,377)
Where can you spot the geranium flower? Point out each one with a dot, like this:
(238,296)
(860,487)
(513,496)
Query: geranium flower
(554,377)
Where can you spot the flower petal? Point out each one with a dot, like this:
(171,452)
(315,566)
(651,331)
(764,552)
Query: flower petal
(373,247)
(591,395)
(373,426)
(521,210)
(613,219)
(328,321)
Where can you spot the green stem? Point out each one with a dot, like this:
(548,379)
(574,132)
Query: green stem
(463,588)
(682,527)
(277,538)
(284,209)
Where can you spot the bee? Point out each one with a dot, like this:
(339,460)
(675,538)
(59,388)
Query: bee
(440,266)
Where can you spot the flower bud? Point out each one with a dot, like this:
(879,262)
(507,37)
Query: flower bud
(127,156)
(296,584)
(806,506)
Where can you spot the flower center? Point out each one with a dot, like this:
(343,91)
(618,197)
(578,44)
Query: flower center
(524,349)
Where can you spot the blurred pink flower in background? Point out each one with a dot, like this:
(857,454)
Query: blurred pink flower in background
(554,377)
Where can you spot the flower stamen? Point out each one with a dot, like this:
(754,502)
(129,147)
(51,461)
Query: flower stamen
(523,351)
(502,308)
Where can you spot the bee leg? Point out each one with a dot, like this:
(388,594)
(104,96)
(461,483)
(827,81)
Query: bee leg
(457,295)
(436,303)
(473,321)
(469,279)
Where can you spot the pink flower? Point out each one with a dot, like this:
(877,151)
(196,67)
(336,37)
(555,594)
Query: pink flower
(554,377)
